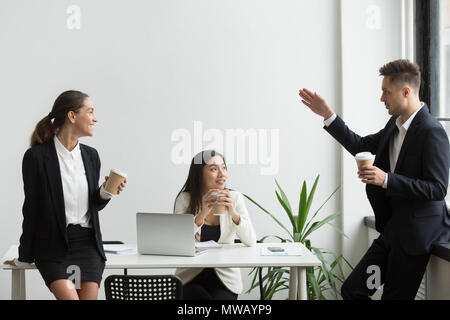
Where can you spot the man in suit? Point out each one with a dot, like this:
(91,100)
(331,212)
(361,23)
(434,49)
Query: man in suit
(405,186)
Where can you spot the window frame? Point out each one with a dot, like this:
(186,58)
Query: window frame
(428,52)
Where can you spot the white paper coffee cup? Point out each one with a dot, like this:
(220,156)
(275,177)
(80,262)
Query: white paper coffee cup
(218,210)
(364,159)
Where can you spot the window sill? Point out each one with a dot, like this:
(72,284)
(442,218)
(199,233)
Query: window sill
(440,250)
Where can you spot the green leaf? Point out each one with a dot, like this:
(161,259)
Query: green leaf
(307,244)
(348,263)
(309,201)
(302,239)
(284,201)
(283,195)
(302,206)
(279,238)
(314,285)
(327,273)
(318,225)
(288,211)
(277,284)
(317,211)
(338,230)
(312,193)
(255,282)
(264,210)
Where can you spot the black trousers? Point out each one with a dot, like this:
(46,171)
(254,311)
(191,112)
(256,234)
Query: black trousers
(400,273)
(207,286)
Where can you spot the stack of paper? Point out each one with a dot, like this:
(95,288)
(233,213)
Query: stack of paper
(207,244)
(119,249)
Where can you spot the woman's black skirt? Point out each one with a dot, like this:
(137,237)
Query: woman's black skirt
(82,261)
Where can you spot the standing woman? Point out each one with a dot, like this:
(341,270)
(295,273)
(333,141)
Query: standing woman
(208,176)
(60,230)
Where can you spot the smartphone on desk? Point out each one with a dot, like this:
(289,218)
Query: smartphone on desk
(275,249)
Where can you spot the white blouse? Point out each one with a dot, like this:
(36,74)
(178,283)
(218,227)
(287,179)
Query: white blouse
(230,277)
(74,184)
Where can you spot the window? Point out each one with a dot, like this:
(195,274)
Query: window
(444,67)
(433,56)
(446,33)
(446,72)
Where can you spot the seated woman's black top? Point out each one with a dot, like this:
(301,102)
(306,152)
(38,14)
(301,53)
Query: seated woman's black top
(207,285)
(210,233)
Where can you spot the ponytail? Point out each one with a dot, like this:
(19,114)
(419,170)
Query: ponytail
(43,132)
(46,129)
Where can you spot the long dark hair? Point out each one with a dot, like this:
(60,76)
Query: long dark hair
(194,181)
(46,128)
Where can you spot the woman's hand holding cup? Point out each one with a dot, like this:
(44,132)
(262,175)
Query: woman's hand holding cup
(209,200)
(122,185)
(115,182)
(227,201)
(224,199)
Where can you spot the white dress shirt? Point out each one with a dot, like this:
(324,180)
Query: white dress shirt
(395,143)
(74,183)
(397,139)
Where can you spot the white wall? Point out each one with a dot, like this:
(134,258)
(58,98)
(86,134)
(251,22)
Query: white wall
(155,67)
(371,36)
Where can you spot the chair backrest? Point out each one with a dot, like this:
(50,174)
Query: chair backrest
(143,287)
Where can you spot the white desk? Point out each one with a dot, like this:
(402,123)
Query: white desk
(231,256)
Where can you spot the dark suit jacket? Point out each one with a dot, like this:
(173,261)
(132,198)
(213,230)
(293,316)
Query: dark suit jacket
(412,210)
(44,235)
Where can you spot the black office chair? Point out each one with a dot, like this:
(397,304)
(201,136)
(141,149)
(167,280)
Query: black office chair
(147,287)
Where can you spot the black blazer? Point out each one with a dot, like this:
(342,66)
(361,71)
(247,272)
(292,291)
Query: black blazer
(412,210)
(44,234)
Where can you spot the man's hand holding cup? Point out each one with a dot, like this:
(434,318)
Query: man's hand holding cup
(368,173)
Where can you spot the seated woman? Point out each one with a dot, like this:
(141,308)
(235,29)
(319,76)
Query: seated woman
(207,177)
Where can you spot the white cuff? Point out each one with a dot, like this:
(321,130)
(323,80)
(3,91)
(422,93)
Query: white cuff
(385,181)
(328,121)
(105,195)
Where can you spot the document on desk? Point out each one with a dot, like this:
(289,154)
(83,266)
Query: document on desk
(207,244)
(289,250)
(119,249)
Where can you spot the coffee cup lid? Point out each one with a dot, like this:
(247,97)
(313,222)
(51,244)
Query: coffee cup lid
(120,173)
(363,156)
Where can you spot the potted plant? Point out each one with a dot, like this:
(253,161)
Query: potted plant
(320,279)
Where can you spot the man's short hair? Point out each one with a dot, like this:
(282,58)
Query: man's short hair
(402,72)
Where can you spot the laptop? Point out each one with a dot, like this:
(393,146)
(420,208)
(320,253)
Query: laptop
(166,234)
